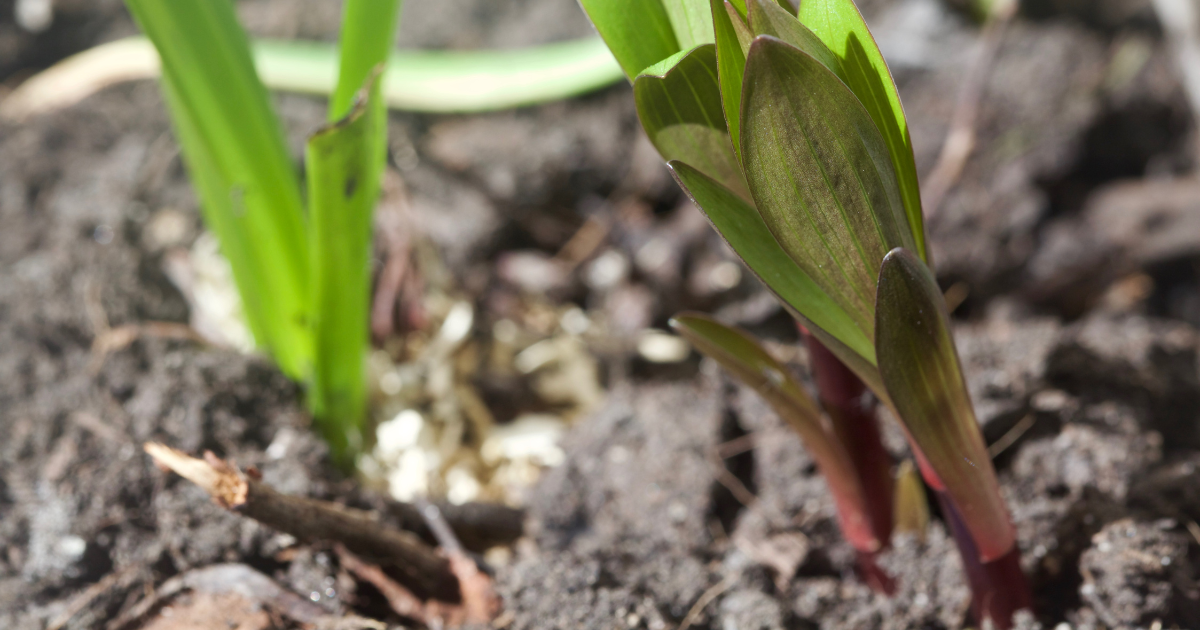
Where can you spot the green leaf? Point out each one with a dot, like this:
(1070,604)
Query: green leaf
(638,32)
(731,64)
(820,175)
(681,111)
(742,227)
(768,18)
(920,368)
(839,24)
(740,7)
(234,148)
(691,21)
(368,30)
(343,186)
(748,362)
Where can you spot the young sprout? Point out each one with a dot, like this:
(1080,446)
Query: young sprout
(786,129)
(304,277)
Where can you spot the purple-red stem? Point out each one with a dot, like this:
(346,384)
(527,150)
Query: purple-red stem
(998,588)
(844,398)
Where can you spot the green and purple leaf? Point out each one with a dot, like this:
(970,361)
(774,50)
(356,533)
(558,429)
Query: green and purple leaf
(841,27)
(820,175)
(742,356)
(768,18)
(679,104)
(920,368)
(638,32)
(742,227)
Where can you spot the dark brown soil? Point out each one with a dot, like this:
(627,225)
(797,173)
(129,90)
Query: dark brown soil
(1077,334)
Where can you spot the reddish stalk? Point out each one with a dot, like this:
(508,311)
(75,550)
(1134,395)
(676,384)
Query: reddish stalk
(998,588)
(845,400)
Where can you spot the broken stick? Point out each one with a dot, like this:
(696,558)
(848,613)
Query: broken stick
(418,567)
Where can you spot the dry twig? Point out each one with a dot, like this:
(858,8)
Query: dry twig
(418,567)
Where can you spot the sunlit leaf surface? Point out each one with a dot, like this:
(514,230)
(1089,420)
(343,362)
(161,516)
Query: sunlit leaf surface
(920,368)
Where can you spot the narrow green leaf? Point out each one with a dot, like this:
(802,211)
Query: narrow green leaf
(741,27)
(742,356)
(920,368)
(368,31)
(787,5)
(691,21)
(681,111)
(234,147)
(840,25)
(740,7)
(731,64)
(742,227)
(768,18)
(343,186)
(638,32)
(820,175)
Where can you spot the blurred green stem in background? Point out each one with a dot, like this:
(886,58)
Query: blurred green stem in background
(414,80)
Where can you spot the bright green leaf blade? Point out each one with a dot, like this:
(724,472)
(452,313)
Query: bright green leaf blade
(638,32)
(682,114)
(840,25)
(740,7)
(343,186)
(920,368)
(368,29)
(691,21)
(740,224)
(742,356)
(768,18)
(820,175)
(731,64)
(234,147)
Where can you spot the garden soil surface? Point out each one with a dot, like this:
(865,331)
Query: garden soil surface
(1066,241)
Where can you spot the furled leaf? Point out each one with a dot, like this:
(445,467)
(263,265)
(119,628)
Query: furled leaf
(638,32)
(731,64)
(679,104)
(820,175)
(748,362)
(840,25)
(912,506)
(768,18)
(235,151)
(691,21)
(920,368)
(740,224)
(343,186)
